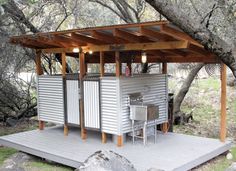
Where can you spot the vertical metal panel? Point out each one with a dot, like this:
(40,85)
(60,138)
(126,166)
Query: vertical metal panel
(50,99)
(109,105)
(73,110)
(154,89)
(91,104)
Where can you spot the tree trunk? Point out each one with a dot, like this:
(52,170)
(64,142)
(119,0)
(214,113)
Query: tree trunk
(185,88)
(197,30)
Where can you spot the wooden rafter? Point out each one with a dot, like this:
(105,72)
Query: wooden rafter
(108,38)
(178,34)
(85,39)
(126,35)
(176,52)
(155,34)
(198,50)
(66,40)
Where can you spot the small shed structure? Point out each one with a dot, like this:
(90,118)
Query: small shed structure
(100,102)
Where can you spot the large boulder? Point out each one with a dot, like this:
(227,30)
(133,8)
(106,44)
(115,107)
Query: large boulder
(106,161)
(16,162)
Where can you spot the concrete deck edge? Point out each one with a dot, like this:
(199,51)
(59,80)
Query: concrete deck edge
(41,154)
(203,159)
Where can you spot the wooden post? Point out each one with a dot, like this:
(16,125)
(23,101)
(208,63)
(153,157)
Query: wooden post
(63,71)
(118,64)
(119,140)
(39,71)
(129,64)
(104,137)
(102,63)
(223,128)
(164,71)
(81,76)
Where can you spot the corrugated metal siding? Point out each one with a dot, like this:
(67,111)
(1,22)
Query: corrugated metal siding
(109,104)
(73,110)
(91,104)
(50,99)
(153,87)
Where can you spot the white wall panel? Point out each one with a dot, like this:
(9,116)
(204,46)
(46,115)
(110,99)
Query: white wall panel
(154,90)
(91,104)
(50,99)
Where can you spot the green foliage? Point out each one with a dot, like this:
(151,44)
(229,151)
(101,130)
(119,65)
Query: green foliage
(41,166)
(233,151)
(209,83)
(5,153)
(220,166)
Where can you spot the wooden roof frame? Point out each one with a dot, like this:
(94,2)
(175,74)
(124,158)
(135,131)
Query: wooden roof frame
(162,39)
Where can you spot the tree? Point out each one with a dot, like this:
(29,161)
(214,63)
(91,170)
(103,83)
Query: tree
(203,28)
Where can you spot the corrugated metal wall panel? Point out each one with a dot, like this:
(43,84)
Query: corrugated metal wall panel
(73,110)
(109,106)
(155,90)
(91,104)
(50,99)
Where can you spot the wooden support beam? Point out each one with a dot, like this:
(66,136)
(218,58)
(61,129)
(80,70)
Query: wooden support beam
(104,137)
(178,35)
(223,129)
(129,64)
(63,71)
(164,71)
(164,68)
(81,76)
(119,140)
(39,68)
(39,71)
(63,62)
(41,125)
(102,63)
(118,64)
(125,47)
(129,37)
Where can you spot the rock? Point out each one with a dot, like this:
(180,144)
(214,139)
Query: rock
(15,162)
(232,167)
(231,81)
(106,161)
(229,156)
(11,122)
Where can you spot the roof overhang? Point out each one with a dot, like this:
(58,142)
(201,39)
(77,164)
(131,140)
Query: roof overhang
(162,41)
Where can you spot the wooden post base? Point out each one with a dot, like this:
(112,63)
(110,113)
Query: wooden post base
(65,130)
(119,141)
(41,125)
(83,134)
(165,127)
(104,137)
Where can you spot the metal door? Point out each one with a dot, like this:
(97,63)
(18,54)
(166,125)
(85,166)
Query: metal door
(73,108)
(91,94)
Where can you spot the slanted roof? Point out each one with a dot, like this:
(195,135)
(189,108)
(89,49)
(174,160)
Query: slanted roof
(162,41)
